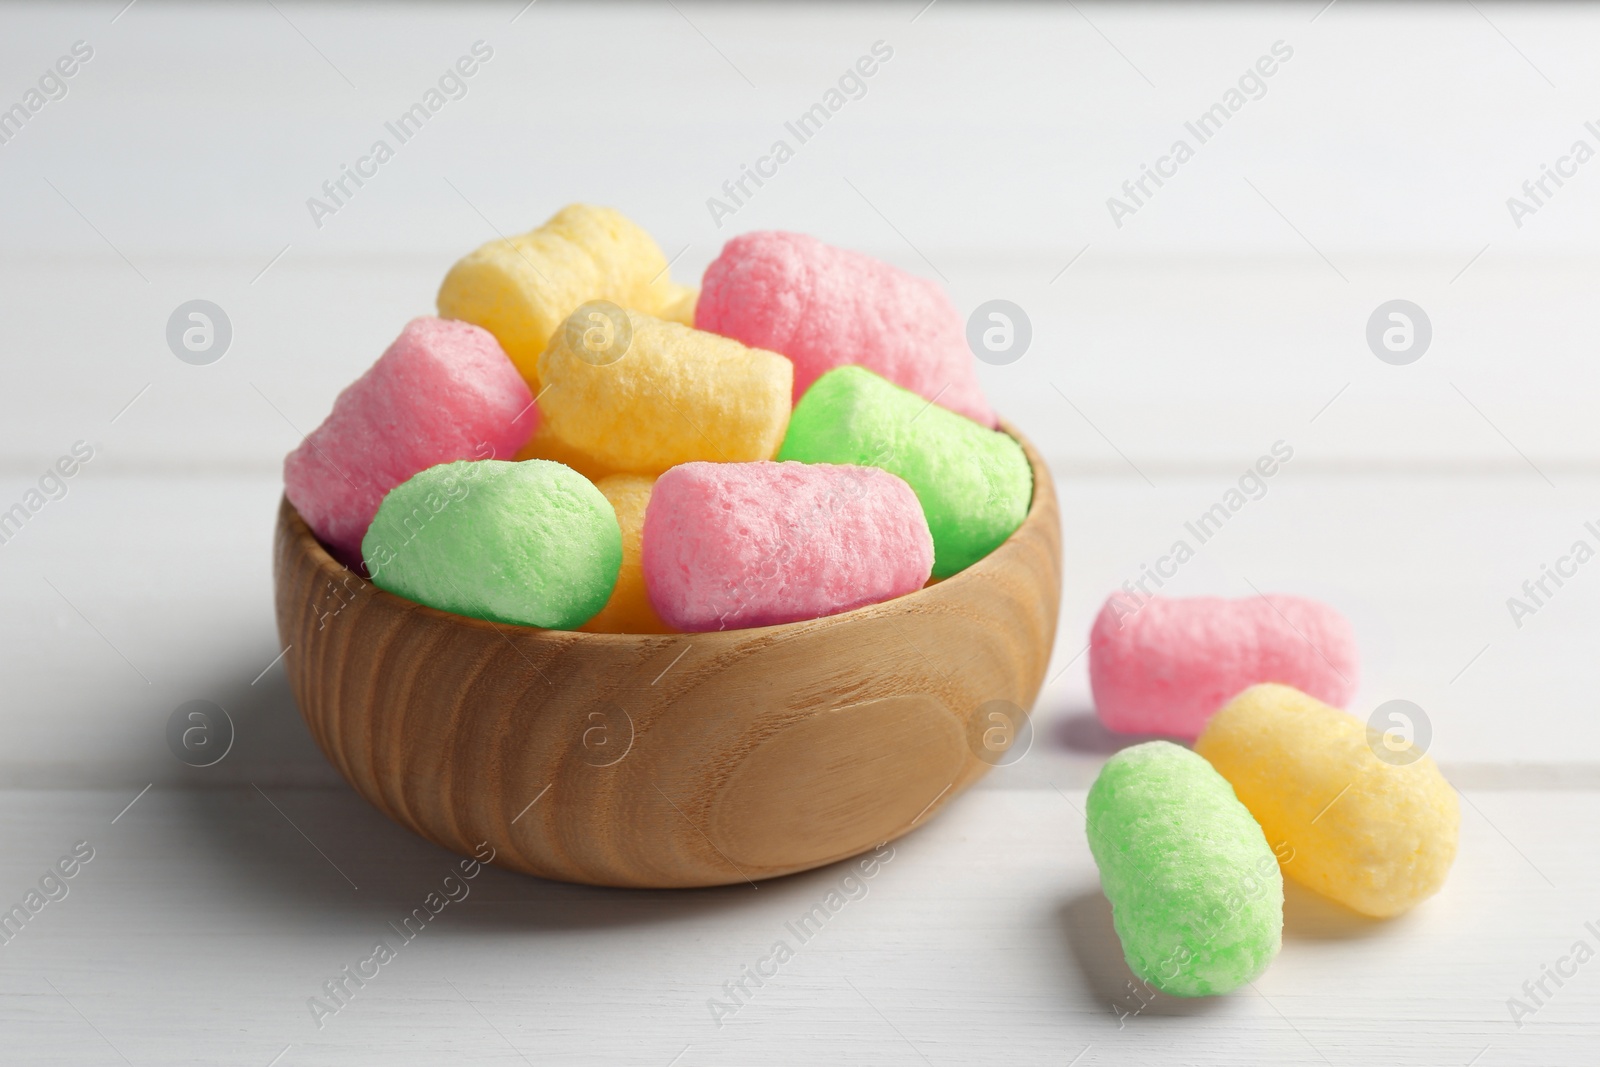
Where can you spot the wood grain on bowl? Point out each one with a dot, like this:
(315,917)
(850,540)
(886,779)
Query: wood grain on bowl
(675,759)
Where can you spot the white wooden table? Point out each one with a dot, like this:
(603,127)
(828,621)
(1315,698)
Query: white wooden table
(1226,314)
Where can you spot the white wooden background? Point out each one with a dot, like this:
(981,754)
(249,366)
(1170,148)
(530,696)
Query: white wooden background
(1225,315)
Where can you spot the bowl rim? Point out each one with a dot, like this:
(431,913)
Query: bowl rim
(292,524)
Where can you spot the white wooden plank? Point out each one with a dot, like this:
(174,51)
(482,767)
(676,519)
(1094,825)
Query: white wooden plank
(134,594)
(205,921)
(197,130)
(1133,364)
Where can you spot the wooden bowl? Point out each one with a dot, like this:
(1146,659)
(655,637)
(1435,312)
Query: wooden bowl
(667,760)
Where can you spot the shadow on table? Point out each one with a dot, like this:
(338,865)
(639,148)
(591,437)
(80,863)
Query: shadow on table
(1097,952)
(1310,916)
(280,854)
(1082,731)
(270,743)
(281,835)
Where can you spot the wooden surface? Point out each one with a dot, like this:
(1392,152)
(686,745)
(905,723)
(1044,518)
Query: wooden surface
(671,760)
(1167,356)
